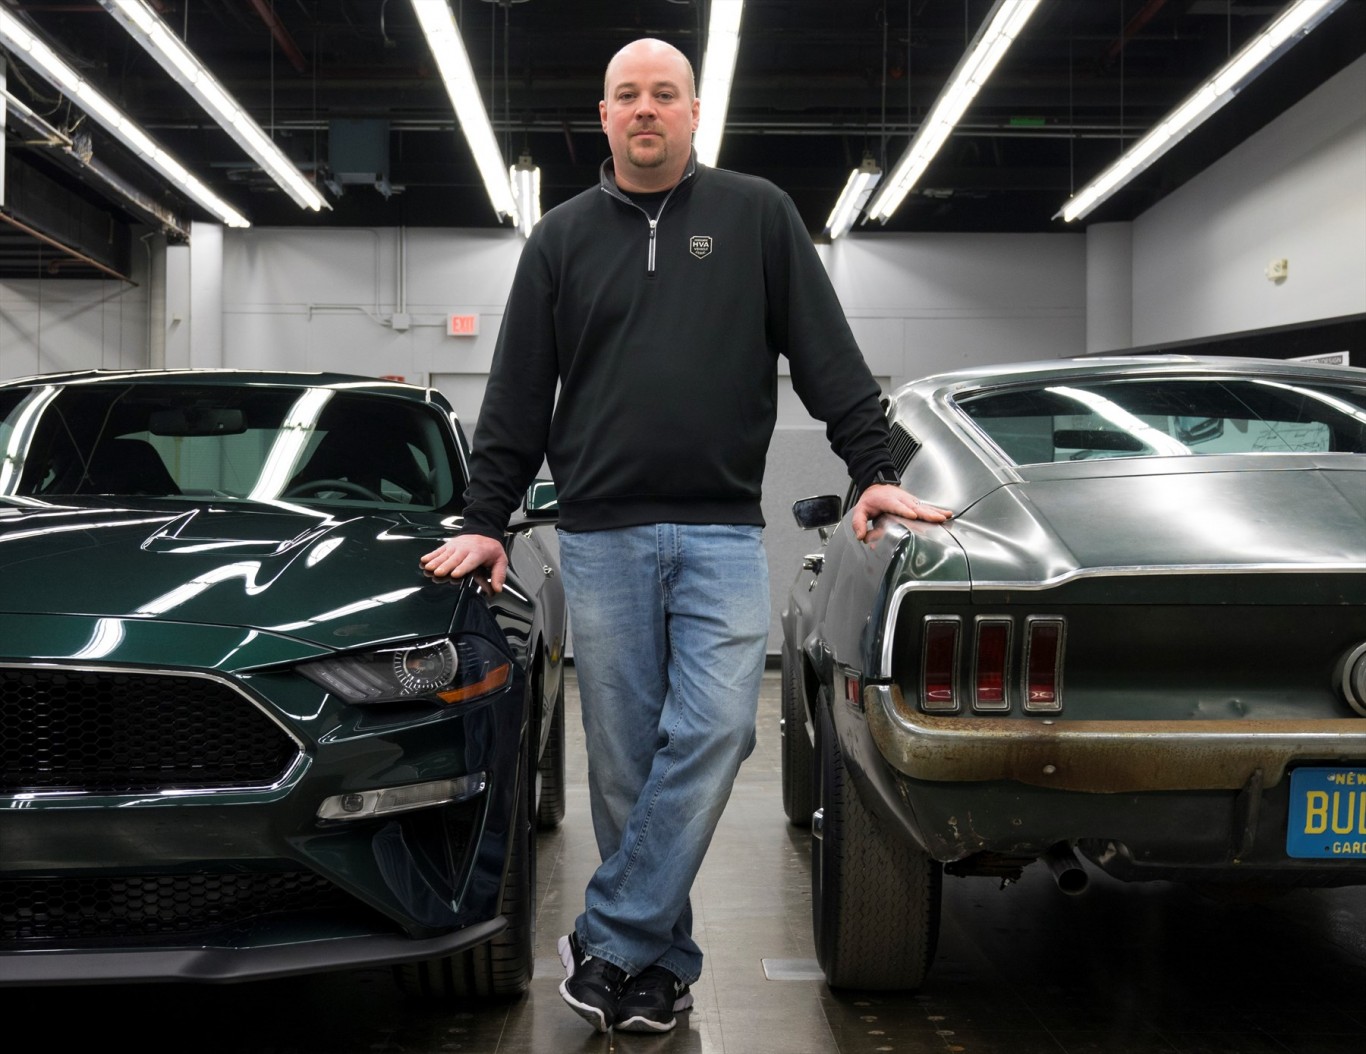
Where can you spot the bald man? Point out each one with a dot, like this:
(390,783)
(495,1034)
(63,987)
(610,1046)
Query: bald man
(657,303)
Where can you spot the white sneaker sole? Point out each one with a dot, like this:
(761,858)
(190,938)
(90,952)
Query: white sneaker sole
(592,1014)
(645,1024)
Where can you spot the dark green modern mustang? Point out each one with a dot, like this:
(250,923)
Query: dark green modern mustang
(242,734)
(1141,640)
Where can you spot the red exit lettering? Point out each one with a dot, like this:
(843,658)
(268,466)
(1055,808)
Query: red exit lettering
(462,325)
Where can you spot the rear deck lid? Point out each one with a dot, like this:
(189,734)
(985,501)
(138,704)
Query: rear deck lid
(1159,516)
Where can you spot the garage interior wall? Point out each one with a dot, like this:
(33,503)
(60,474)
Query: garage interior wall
(1296,191)
(376,301)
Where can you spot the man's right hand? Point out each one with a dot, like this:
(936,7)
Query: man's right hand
(475,554)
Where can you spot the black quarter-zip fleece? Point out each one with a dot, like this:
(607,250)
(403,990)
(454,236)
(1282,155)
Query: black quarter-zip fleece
(662,338)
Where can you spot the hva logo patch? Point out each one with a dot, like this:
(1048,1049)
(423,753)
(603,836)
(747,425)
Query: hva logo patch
(700,245)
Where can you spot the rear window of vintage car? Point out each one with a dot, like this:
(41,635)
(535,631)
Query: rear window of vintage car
(1080,420)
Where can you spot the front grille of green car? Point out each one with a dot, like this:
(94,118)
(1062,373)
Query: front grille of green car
(114,732)
(128,909)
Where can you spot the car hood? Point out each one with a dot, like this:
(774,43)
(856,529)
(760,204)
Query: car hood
(1152,517)
(289,571)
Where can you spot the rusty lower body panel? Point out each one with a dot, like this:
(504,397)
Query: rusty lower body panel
(1102,756)
(1202,800)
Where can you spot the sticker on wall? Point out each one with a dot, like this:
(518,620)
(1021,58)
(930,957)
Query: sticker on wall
(1326,358)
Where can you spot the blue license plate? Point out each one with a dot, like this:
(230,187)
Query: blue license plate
(1327,814)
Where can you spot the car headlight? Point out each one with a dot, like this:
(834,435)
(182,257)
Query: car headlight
(448,671)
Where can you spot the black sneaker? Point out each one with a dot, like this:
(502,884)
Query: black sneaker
(591,986)
(650,1000)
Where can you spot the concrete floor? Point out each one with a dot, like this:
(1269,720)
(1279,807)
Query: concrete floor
(1123,969)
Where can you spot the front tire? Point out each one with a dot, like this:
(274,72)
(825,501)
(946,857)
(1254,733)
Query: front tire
(798,759)
(501,967)
(874,897)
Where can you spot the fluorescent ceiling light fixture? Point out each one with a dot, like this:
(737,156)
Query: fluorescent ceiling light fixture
(718,70)
(998,31)
(34,52)
(1280,35)
(143,25)
(857,187)
(526,191)
(448,49)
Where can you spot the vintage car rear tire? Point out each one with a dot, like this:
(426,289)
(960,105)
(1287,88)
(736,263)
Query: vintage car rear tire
(502,967)
(798,759)
(874,897)
(550,800)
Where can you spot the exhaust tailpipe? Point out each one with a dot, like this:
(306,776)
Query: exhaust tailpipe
(1066,869)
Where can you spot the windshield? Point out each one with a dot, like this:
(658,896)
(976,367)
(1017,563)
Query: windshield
(1170,417)
(303,445)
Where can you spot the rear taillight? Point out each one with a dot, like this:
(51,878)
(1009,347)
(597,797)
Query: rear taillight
(1043,663)
(939,664)
(991,664)
(988,678)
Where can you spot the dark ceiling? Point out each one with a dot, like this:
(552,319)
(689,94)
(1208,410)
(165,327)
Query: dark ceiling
(338,83)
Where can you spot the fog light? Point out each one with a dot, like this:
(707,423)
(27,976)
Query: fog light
(360,805)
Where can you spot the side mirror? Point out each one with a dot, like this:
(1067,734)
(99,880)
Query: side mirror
(541,500)
(540,506)
(822,512)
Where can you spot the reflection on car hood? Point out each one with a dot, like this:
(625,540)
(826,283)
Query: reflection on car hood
(1044,529)
(341,583)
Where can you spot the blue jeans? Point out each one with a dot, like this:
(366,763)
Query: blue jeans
(670,625)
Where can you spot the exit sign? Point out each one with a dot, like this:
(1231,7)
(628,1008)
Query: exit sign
(462,325)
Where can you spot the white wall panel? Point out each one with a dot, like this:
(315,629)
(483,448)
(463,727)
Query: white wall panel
(474,270)
(1297,191)
(881,338)
(467,272)
(266,267)
(438,353)
(178,304)
(266,340)
(1109,286)
(19,344)
(934,345)
(72,324)
(911,273)
(920,304)
(348,342)
(206,296)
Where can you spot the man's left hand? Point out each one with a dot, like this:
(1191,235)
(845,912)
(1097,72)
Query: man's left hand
(883,498)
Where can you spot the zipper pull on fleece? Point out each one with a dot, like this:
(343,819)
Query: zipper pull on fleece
(650,262)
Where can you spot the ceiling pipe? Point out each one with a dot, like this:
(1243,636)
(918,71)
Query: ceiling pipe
(1134,27)
(142,205)
(74,255)
(282,35)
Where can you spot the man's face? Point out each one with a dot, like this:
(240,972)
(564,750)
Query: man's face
(649,116)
